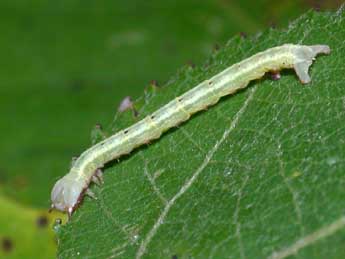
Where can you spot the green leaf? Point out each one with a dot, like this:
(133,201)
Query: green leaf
(259,175)
(20,226)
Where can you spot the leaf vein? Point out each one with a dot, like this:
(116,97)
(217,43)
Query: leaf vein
(143,246)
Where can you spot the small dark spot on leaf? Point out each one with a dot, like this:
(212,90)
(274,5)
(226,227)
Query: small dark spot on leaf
(6,244)
(216,47)
(42,221)
(98,126)
(272,24)
(152,117)
(126,131)
(154,83)
(243,35)
(174,257)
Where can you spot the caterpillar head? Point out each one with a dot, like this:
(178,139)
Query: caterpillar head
(66,194)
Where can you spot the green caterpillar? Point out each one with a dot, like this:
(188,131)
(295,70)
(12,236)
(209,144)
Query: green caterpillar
(69,190)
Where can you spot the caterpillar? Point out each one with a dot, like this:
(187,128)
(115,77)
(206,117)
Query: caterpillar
(68,191)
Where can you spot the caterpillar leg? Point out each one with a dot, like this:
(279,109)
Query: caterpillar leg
(97,178)
(52,207)
(302,71)
(275,75)
(91,194)
(305,57)
(69,212)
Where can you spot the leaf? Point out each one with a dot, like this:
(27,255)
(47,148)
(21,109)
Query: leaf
(20,226)
(259,175)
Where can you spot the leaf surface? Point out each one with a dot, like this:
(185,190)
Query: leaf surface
(259,175)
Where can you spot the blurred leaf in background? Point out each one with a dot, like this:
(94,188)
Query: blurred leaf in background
(66,65)
(25,232)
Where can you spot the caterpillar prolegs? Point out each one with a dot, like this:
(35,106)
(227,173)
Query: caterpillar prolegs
(68,191)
